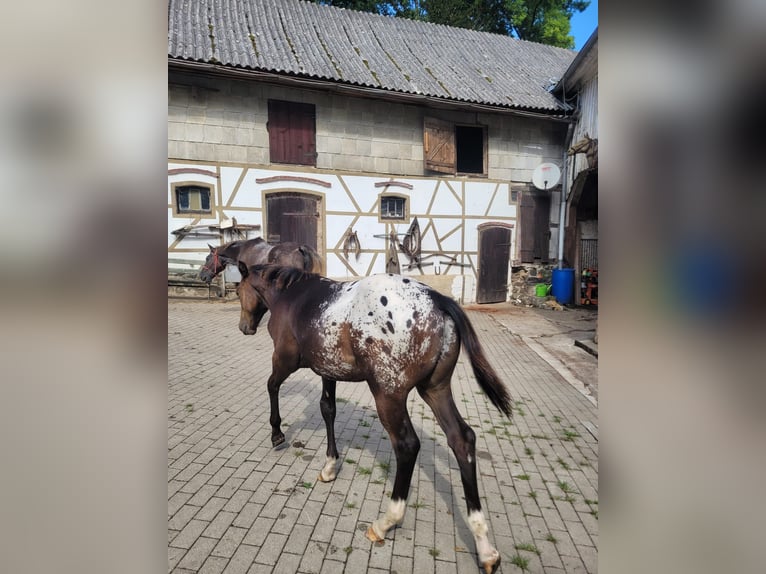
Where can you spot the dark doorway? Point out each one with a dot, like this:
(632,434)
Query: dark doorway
(494,257)
(469,142)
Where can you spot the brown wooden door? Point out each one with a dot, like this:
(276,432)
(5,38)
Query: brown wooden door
(534,227)
(494,255)
(292,217)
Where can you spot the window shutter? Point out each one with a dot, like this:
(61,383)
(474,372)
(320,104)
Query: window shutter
(292,133)
(439,145)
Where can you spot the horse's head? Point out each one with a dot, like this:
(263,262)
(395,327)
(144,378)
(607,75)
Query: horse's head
(251,302)
(581,146)
(213,265)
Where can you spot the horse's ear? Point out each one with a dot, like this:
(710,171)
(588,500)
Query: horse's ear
(211,248)
(242,269)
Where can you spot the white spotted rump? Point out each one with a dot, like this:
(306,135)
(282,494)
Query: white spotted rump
(387,316)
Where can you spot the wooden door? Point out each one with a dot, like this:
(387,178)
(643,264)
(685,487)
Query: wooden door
(534,227)
(494,257)
(292,217)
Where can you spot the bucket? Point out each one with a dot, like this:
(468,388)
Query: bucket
(563,285)
(541,289)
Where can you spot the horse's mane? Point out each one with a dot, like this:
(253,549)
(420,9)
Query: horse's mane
(279,276)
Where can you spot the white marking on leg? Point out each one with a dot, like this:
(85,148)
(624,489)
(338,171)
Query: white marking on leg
(479,528)
(328,470)
(393,516)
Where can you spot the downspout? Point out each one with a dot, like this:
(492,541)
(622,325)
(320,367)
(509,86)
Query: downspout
(564,194)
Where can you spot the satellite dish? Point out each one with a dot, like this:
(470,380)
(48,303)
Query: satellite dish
(546,176)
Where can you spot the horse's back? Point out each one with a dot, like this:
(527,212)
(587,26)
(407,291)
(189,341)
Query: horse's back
(385,327)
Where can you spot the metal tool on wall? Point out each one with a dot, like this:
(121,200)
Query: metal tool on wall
(351,244)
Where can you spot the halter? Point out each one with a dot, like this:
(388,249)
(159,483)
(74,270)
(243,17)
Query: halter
(215,263)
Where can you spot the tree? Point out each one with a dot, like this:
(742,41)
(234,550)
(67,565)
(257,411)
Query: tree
(544,21)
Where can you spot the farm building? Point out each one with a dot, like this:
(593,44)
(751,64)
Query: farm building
(578,87)
(386,144)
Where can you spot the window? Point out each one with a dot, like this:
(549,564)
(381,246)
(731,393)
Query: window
(192,199)
(292,133)
(454,149)
(393,208)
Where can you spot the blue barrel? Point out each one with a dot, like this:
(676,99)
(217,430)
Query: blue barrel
(563,285)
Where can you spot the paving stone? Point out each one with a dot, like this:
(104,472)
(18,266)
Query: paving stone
(197,554)
(236,505)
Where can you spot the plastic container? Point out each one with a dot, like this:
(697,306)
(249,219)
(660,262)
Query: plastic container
(541,290)
(563,285)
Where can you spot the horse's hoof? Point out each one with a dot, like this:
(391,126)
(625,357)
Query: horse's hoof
(279,444)
(491,567)
(322,479)
(371,536)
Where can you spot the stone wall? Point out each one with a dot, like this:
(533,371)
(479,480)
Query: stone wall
(524,278)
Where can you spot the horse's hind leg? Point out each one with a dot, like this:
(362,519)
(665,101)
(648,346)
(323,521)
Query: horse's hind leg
(393,414)
(327,405)
(462,441)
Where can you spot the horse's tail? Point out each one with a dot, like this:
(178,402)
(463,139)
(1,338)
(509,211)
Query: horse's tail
(312,261)
(485,375)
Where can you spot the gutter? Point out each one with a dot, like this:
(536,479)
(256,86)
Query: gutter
(564,194)
(353,90)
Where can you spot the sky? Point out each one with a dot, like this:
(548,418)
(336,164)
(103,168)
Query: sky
(584,23)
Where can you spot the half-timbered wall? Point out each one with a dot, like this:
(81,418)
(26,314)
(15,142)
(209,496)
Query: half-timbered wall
(217,136)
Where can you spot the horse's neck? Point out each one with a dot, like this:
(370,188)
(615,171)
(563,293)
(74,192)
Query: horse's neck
(230,252)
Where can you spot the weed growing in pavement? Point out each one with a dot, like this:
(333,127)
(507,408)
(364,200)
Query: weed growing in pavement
(434,552)
(570,435)
(364,470)
(364,423)
(528,548)
(521,562)
(522,476)
(565,486)
(563,464)
(351,505)
(350,461)
(551,538)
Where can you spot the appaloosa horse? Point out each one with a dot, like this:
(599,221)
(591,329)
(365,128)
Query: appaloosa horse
(396,334)
(257,251)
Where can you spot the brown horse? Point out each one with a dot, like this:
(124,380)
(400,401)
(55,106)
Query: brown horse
(258,251)
(588,146)
(396,334)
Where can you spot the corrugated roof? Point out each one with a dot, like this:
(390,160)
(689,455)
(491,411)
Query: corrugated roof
(394,54)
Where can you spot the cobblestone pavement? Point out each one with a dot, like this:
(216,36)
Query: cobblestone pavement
(237,506)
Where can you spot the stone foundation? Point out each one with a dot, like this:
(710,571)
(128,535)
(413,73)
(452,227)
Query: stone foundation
(524,278)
